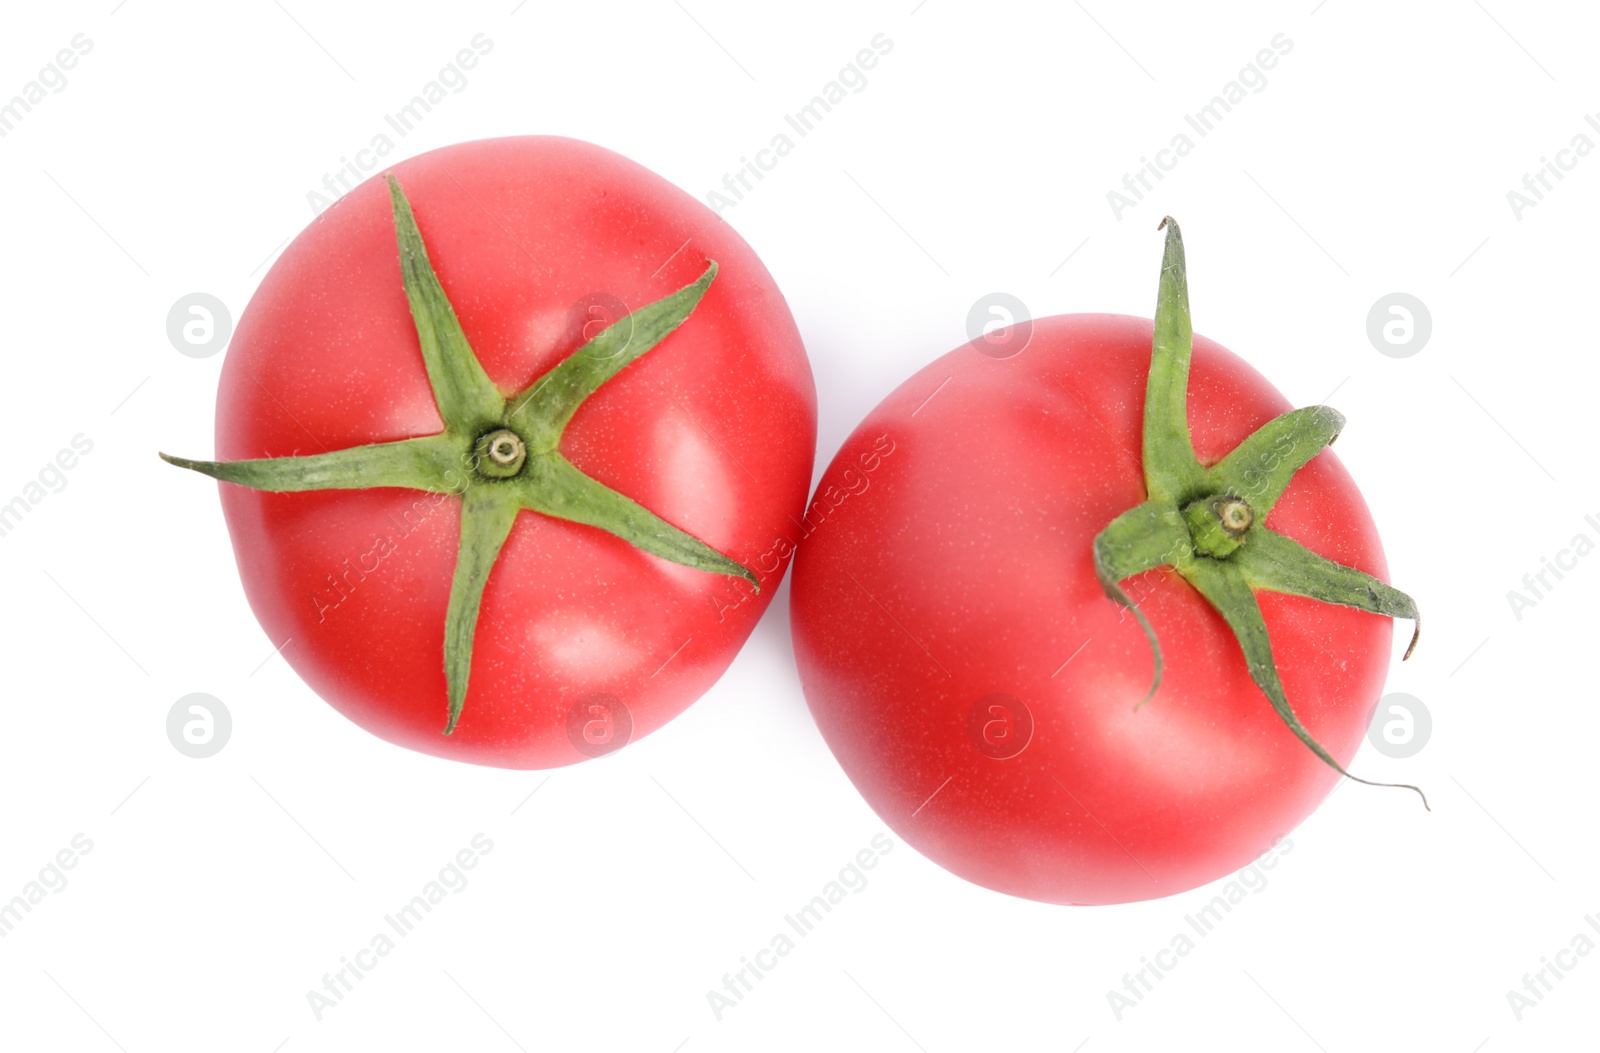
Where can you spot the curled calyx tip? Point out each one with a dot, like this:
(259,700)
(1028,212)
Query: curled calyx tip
(1415,789)
(182,462)
(1164,221)
(1339,420)
(1416,634)
(1387,785)
(1155,685)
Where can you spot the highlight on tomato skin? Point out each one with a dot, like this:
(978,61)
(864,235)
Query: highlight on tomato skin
(978,628)
(485,436)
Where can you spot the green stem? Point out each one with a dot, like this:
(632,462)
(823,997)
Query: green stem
(1207,522)
(500,456)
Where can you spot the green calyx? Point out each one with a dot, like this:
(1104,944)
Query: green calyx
(500,455)
(1207,522)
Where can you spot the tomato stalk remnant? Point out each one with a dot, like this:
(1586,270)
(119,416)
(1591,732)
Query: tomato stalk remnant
(500,455)
(1218,524)
(1207,522)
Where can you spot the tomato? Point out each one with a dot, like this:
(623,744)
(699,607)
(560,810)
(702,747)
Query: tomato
(967,667)
(602,576)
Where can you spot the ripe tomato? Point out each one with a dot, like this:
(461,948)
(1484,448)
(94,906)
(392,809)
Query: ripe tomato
(964,662)
(583,640)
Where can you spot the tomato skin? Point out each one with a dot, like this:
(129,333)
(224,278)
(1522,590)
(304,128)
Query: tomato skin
(713,430)
(964,569)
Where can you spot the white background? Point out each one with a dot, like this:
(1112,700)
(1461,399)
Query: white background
(978,157)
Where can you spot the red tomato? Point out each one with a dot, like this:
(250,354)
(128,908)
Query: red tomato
(583,639)
(969,672)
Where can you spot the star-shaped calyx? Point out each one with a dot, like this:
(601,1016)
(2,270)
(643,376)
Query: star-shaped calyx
(500,455)
(1208,522)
